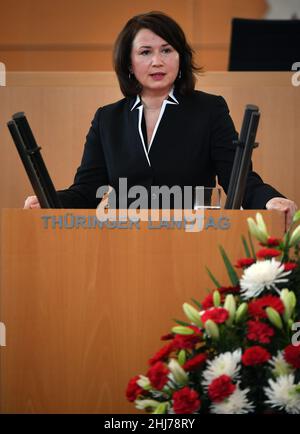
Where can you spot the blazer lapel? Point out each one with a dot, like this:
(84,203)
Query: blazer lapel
(135,136)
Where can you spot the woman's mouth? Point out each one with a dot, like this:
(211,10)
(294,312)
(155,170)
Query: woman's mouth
(158,76)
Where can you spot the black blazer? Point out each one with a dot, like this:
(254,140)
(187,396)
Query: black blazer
(193,145)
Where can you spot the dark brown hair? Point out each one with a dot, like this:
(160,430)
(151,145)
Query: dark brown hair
(165,27)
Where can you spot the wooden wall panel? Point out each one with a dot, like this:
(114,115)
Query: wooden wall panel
(217,56)
(72,59)
(79,21)
(212,18)
(79,34)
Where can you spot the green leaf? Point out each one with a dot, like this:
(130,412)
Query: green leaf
(229,267)
(251,246)
(197,303)
(246,247)
(213,278)
(183,323)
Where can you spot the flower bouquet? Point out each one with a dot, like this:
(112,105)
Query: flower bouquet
(239,351)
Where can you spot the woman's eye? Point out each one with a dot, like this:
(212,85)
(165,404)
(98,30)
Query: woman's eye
(166,50)
(145,52)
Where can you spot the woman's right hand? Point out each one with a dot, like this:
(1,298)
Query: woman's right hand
(31,202)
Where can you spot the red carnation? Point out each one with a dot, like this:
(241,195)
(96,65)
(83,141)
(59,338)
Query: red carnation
(255,356)
(268,253)
(271,242)
(157,375)
(220,388)
(167,337)
(256,308)
(216,314)
(162,354)
(186,401)
(195,362)
(229,289)
(289,266)
(208,302)
(187,342)
(292,355)
(133,389)
(244,262)
(260,332)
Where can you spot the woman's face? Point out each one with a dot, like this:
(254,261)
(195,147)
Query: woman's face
(154,62)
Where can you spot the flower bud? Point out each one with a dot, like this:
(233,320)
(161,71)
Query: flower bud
(182,330)
(230,306)
(143,404)
(216,298)
(284,297)
(241,312)
(252,226)
(296,216)
(161,408)
(192,314)
(256,232)
(261,224)
(283,293)
(212,329)
(144,382)
(288,302)
(179,375)
(181,357)
(295,237)
(292,299)
(274,317)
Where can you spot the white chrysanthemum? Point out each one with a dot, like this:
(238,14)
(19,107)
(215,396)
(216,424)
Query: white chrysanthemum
(224,364)
(236,403)
(261,275)
(283,394)
(280,365)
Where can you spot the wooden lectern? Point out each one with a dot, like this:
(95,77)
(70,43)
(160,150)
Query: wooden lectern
(84,307)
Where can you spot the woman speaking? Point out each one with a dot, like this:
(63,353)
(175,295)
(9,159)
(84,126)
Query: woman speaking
(163,132)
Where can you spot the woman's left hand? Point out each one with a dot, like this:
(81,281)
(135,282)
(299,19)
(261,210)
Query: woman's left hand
(282,204)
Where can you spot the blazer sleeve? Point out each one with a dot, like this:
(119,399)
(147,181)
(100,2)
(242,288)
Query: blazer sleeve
(223,134)
(91,174)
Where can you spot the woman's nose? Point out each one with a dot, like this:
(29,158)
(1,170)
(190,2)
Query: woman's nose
(156,59)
